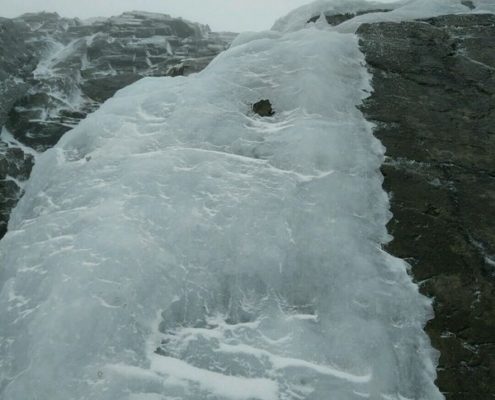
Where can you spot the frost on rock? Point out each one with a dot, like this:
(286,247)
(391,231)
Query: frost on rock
(175,245)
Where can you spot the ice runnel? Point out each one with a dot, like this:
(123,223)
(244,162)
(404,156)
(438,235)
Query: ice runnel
(177,246)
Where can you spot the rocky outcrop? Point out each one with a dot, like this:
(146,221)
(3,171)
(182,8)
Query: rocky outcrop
(434,108)
(54,71)
(16,64)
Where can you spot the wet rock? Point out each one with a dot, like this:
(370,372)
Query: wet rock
(263,108)
(16,64)
(434,109)
(176,70)
(102,88)
(15,166)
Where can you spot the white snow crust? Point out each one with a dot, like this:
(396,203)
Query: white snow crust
(175,245)
(401,10)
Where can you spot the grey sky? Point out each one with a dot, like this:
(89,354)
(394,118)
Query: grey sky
(233,15)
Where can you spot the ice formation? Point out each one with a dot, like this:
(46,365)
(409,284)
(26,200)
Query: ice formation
(397,11)
(175,245)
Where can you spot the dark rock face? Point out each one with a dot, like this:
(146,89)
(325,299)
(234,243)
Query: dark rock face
(54,71)
(16,63)
(434,106)
(13,163)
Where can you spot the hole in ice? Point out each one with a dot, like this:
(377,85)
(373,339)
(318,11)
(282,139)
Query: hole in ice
(263,108)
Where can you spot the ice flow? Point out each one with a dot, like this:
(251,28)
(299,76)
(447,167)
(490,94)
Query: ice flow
(175,245)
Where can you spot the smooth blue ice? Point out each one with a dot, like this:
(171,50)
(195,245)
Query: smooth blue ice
(177,246)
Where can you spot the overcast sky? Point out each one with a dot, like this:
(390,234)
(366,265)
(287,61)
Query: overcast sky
(232,15)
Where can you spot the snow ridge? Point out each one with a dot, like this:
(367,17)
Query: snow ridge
(401,10)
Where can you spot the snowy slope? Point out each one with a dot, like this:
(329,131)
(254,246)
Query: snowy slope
(176,246)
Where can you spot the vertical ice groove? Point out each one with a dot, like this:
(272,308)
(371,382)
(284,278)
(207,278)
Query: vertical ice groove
(175,245)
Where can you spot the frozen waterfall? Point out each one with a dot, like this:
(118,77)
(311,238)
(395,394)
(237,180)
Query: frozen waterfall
(175,245)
